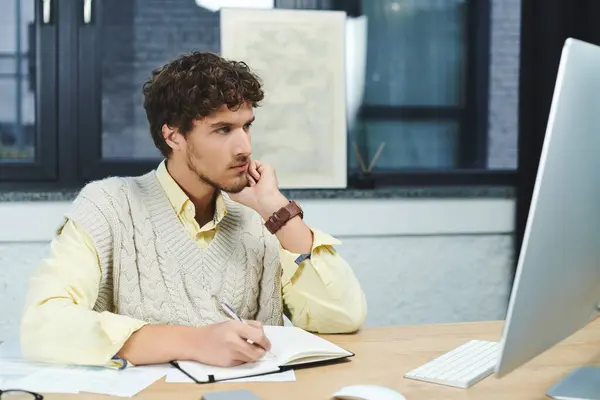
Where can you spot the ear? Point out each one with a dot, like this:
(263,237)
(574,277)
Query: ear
(173,138)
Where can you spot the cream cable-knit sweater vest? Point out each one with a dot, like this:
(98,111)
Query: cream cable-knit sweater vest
(153,270)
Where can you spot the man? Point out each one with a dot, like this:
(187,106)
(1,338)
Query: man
(140,266)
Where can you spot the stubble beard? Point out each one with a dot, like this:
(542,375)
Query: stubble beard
(233,188)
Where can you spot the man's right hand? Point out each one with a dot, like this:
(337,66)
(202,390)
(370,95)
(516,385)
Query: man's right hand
(226,344)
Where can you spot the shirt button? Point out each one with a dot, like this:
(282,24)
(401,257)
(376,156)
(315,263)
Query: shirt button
(189,211)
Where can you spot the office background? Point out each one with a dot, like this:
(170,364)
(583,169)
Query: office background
(434,240)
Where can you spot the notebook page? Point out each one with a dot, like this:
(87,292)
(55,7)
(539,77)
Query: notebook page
(289,343)
(201,371)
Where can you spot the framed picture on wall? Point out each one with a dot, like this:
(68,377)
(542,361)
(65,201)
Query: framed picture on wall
(299,55)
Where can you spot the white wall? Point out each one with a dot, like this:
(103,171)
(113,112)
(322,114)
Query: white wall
(419,261)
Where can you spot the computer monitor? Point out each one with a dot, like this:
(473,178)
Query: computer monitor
(556,289)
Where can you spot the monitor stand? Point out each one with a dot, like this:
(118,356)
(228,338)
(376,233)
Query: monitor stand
(581,384)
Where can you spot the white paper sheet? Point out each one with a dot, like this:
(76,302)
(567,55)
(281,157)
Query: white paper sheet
(176,376)
(124,383)
(17,374)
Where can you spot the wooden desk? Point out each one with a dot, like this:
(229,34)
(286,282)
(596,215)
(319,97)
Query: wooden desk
(383,355)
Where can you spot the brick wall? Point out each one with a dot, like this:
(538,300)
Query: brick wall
(117,71)
(504,84)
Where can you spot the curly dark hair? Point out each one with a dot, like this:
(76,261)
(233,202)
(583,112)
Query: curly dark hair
(194,86)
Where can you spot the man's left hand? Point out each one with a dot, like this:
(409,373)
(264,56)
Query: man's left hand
(262,194)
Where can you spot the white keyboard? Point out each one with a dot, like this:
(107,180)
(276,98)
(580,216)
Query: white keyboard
(462,367)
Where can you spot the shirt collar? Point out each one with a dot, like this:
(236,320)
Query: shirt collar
(177,197)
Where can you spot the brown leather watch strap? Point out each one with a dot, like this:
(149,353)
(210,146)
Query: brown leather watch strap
(282,216)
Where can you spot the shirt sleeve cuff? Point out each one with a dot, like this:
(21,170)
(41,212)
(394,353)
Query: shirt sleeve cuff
(320,239)
(291,260)
(118,329)
(323,239)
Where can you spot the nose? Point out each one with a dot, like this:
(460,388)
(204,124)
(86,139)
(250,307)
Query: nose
(243,145)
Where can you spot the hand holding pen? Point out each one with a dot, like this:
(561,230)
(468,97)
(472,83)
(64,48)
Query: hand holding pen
(236,317)
(224,344)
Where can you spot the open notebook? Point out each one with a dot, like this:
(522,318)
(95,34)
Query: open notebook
(290,347)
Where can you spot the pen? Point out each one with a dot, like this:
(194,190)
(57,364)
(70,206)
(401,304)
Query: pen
(233,315)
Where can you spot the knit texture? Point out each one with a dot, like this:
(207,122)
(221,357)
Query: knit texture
(153,270)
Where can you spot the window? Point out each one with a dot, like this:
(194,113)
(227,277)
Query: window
(425,89)
(17,110)
(27,90)
(416,92)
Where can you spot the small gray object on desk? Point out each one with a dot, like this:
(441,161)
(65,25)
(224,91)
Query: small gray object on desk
(230,395)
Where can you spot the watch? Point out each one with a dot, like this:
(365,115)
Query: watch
(282,216)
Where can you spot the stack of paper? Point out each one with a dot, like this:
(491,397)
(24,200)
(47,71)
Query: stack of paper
(15,373)
(19,375)
(42,378)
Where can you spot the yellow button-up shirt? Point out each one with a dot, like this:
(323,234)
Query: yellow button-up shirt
(321,294)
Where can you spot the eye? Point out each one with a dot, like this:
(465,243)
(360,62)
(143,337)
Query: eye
(247,126)
(224,129)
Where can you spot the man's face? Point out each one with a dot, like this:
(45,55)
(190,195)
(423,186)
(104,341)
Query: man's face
(218,148)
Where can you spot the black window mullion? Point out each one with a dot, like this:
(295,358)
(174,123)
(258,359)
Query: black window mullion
(428,178)
(89,110)
(67,94)
(473,140)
